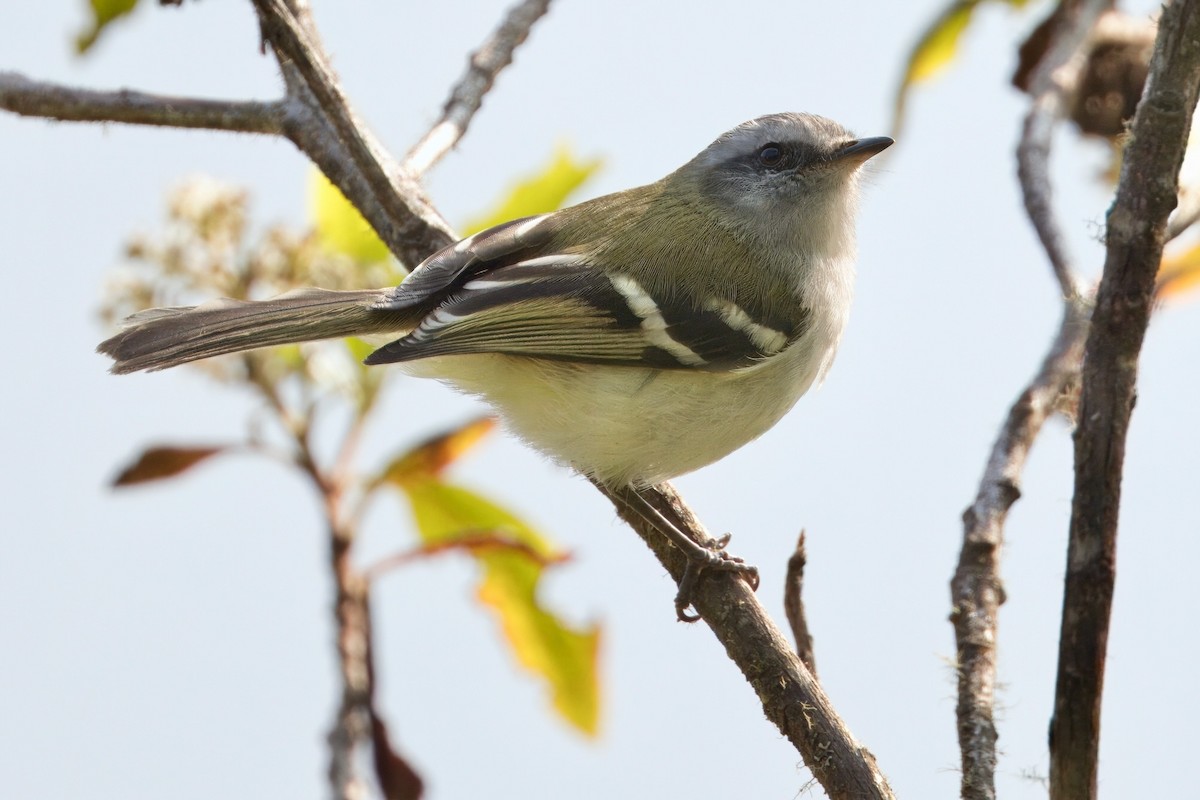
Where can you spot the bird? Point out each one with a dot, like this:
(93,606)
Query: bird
(634,337)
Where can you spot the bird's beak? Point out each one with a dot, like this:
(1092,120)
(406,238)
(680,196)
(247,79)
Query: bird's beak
(860,150)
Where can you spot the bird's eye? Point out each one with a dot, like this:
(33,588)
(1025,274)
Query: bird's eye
(770,155)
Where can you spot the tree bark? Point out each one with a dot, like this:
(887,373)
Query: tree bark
(1136,231)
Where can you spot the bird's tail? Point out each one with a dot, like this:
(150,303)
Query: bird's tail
(166,337)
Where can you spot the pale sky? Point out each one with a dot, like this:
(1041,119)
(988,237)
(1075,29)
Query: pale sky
(175,641)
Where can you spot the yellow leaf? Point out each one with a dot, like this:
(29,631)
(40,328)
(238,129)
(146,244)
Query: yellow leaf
(546,190)
(429,458)
(103,12)
(562,656)
(1179,272)
(936,48)
(339,226)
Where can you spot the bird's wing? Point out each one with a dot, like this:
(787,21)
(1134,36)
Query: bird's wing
(558,306)
(475,255)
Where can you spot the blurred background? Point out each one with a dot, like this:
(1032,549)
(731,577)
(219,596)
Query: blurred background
(176,641)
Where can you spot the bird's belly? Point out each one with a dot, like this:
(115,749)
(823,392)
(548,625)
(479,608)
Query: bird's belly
(628,425)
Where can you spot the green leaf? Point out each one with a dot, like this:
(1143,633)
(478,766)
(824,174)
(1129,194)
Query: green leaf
(937,48)
(103,13)
(545,190)
(340,228)
(562,656)
(157,463)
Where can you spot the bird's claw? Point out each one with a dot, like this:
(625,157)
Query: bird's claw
(711,557)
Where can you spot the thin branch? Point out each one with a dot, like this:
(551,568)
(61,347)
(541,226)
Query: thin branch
(470,541)
(352,726)
(408,224)
(292,42)
(1051,83)
(976,589)
(420,233)
(1187,214)
(1137,221)
(790,695)
(31,98)
(466,97)
(793,606)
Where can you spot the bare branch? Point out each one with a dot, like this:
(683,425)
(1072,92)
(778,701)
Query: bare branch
(790,695)
(976,590)
(419,233)
(1187,214)
(476,542)
(31,98)
(485,64)
(1146,194)
(408,224)
(352,726)
(1051,83)
(793,606)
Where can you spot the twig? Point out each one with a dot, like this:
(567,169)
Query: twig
(297,117)
(419,234)
(1050,84)
(352,622)
(352,725)
(976,589)
(291,41)
(470,541)
(1146,194)
(793,606)
(485,64)
(790,695)
(1186,215)
(31,98)
(408,223)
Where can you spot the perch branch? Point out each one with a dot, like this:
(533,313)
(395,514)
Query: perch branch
(790,695)
(1146,194)
(466,97)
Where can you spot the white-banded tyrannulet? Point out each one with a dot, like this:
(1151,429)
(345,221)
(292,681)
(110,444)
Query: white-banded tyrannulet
(635,337)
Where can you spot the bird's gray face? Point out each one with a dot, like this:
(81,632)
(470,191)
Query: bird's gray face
(773,169)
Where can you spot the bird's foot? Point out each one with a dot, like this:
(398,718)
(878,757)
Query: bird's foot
(710,556)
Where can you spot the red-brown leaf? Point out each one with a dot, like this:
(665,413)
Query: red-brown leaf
(397,779)
(157,463)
